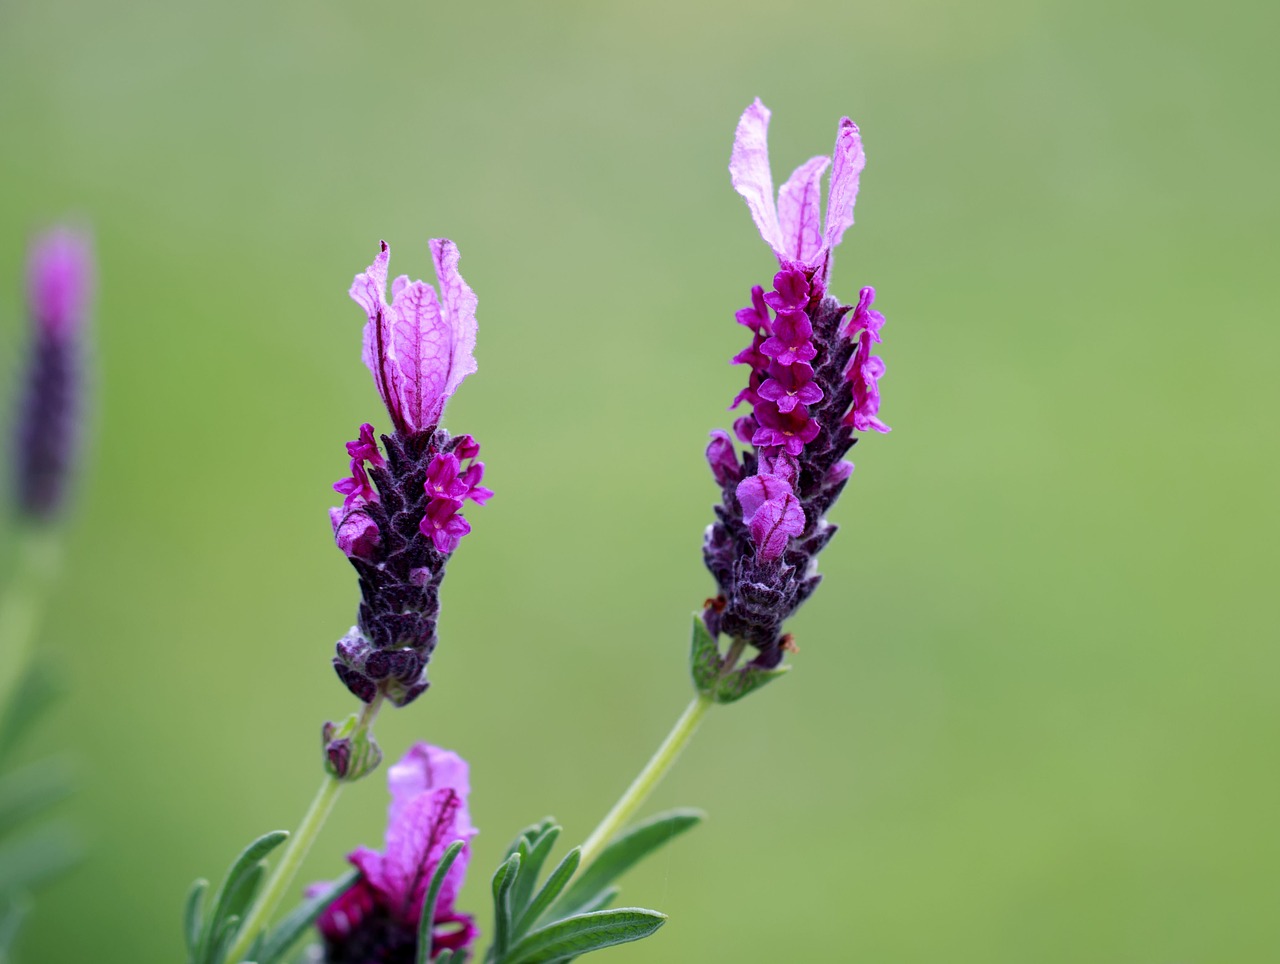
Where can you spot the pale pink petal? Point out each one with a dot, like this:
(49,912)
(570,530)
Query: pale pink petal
(421,340)
(774,524)
(427,825)
(847,163)
(800,210)
(459,311)
(750,174)
(425,767)
(755,490)
(369,291)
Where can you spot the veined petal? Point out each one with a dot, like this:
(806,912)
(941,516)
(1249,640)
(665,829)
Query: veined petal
(425,767)
(750,174)
(848,161)
(428,824)
(369,291)
(459,312)
(421,340)
(800,211)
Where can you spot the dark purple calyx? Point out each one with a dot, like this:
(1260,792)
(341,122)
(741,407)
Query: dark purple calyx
(400,556)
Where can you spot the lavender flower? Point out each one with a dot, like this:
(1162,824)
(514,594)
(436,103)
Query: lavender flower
(376,921)
(46,442)
(813,382)
(401,515)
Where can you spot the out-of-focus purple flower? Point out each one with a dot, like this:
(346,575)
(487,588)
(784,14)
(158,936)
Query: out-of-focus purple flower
(401,517)
(813,381)
(376,921)
(49,414)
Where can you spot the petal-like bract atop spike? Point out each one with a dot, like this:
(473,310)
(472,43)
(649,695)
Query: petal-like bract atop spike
(800,211)
(418,346)
(848,160)
(751,176)
(459,312)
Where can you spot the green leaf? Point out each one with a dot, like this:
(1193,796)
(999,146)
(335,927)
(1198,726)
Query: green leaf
(428,917)
(585,933)
(191,916)
(739,683)
(531,868)
(285,934)
(36,692)
(213,934)
(35,857)
(503,880)
(31,790)
(556,882)
(623,853)
(242,897)
(704,657)
(528,835)
(12,914)
(225,934)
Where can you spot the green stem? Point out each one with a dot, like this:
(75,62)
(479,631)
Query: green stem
(295,852)
(34,568)
(647,779)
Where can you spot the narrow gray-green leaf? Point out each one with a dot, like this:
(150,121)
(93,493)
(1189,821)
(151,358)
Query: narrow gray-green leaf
(704,657)
(44,852)
(530,869)
(192,914)
(285,934)
(427,920)
(503,880)
(623,853)
(243,864)
(556,883)
(242,897)
(585,933)
(12,915)
(31,790)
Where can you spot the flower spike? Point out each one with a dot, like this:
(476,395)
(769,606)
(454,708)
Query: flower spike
(813,382)
(401,517)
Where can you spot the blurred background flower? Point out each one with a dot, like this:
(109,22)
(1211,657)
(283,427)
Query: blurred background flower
(1034,711)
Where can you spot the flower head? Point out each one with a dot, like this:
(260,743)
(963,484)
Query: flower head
(47,438)
(813,382)
(376,921)
(401,517)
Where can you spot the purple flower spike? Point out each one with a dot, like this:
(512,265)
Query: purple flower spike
(813,382)
(48,425)
(400,520)
(376,921)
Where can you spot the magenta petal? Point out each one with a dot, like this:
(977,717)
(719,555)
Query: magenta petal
(355,533)
(754,491)
(422,349)
(428,824)
(425,767)
(459,303)
(800,210)
(347,912)
(750,174)
(775,523)
(848,161)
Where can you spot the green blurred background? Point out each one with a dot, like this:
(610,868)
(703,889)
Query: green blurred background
(1035,713)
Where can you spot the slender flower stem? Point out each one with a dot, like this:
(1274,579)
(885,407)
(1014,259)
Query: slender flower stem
(647,779)
(34,568)
(295,852)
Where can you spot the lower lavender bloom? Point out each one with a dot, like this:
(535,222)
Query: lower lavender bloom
(401,516)
(376,921)
(47,437)
(813,383)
